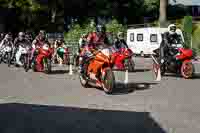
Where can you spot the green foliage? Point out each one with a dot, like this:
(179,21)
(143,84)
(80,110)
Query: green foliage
(76,31)
(188,24)
(114,27)
(24,5)
(151,5)
(74,34)
(196,38)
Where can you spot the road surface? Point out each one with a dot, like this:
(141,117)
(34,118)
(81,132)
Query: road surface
(39,103)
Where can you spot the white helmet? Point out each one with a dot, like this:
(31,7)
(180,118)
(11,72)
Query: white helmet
(172,29)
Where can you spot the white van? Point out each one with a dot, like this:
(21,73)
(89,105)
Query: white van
(142,41)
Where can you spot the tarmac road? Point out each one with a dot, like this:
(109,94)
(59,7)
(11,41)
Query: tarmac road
(40,103)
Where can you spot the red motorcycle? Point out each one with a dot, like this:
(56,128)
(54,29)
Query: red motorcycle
(181,63)
(123,59)
(42,62)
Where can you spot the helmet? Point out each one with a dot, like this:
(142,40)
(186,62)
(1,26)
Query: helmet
(172,28)
(120,35)
(84,35)
(101,28)
(42,34)
(21,35)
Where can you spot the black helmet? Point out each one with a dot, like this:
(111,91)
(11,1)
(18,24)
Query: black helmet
(101,28)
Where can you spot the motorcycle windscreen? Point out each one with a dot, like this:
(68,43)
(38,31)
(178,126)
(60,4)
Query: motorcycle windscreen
(101,57)
(95,66)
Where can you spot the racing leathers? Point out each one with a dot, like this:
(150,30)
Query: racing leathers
(94,40)
(37,43)
(6,45)
(166,51)
(120,43)
(22,47)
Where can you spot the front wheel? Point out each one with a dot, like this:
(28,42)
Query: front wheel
(9,58)
(131,65)
(83,81)
(187,69)
(108,81)
(26,63)
(47,66)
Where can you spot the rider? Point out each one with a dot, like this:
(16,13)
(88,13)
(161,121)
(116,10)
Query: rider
(60,49)
(120,41)
(94,40)
(1,36)
(38,41)
(168,39)
(82,41)
(7,41)
(20,43)
(28,36)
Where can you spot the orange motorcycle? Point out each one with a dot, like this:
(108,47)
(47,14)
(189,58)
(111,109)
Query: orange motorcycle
(98,71)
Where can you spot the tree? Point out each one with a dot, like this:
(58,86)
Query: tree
(163,12)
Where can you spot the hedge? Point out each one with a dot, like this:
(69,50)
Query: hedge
(77,30)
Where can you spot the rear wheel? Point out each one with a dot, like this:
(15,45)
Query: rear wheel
(187,70)
(108,81)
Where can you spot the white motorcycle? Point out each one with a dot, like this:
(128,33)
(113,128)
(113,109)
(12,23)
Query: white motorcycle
(24,53)
(6,54)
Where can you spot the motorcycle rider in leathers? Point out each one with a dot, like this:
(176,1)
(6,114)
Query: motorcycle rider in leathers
(20,44)
(169,38)
(60,50)
(94,41)
(7,41)
(120,41)
(38,42)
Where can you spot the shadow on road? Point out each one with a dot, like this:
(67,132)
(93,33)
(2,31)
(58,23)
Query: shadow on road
(195,76)
(121,89)
(142,70)
(25,118)
(54,72)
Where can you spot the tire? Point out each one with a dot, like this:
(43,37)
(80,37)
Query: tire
(163,70)
(33,64)
(47,66)
(83,81)
(1,59)
(9,59)
(131,66)
(108,81)
(26,63)
(187,70)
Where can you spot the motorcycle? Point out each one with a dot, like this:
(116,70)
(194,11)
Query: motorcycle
(181,63)
(6,55)
(42,61)
(123,59)
(98,71)
(64,54)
